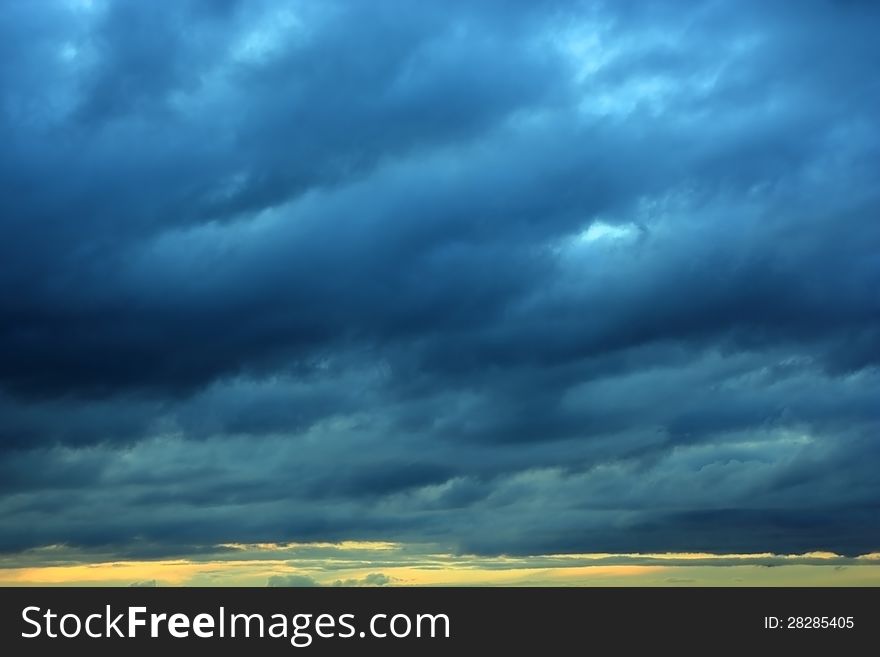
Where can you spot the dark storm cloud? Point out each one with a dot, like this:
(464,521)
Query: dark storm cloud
(506,277)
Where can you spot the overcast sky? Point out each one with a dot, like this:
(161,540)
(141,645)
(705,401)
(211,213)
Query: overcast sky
(503,277)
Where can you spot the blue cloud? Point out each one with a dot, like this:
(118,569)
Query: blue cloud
(504,277)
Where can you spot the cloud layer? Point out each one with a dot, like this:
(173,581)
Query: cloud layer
(519,278)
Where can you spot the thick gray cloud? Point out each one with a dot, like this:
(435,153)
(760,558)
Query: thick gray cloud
(295,581)
(504,277)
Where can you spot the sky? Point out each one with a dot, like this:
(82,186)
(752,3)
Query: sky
(443,292)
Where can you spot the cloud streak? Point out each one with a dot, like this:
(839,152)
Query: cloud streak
(353,564)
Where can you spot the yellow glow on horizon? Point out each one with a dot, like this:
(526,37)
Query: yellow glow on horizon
(181,572)
(176,572)
(328,564)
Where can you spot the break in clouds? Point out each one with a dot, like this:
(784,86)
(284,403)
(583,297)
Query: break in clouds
(504,277)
